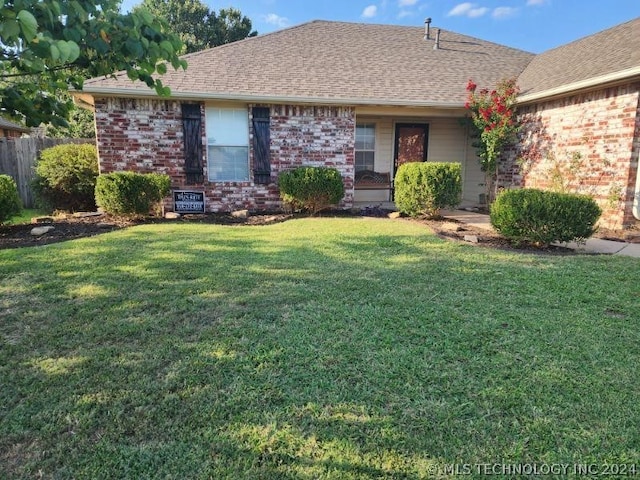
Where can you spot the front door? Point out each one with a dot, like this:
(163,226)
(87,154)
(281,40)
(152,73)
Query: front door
(411,146)
(411,143)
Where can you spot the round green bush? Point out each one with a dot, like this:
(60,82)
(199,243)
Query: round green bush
(311,188)
(10,204)
(130,193)
(539,217)
(423,188)
(66,177)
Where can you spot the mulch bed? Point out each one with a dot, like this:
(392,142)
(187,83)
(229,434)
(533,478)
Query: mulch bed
(69,227)
(460,232)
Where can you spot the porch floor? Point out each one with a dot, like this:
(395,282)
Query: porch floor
(392,205)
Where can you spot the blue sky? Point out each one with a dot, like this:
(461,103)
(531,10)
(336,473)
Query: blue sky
(532,25)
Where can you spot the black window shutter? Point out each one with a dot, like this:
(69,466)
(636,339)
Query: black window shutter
(261,145)
(192,131)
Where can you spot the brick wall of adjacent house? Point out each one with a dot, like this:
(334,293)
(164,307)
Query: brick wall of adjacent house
(146,136)
(586,143)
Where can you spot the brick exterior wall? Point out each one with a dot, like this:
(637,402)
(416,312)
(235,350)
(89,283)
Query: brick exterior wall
(146,136)
(315,136)
(140,135)
(586,143)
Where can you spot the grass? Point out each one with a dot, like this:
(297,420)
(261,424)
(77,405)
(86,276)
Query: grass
(25,216)
(316,348)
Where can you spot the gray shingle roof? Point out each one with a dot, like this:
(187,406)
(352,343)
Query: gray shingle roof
(6,124)
(340,62)
(609,51)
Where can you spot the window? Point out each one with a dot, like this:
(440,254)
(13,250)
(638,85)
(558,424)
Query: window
(228,144)
(365,146)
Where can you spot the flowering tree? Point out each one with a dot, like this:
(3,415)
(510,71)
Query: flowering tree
(493,116)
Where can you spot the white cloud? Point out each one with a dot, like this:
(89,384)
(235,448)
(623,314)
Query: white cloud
(533,3)
(460,9)
(407,3)
(467,9)
(477,12)
(404,13)
(370,11)
(277,20)
(503,12)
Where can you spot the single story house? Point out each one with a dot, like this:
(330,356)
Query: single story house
(365,99)
(9,129)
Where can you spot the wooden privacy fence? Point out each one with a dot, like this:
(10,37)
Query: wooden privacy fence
(18,159)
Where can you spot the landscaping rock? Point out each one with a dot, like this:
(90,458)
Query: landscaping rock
(42,220)
(86,214)
(471,238)
(394,215)
(39,231)
(240,214)
(172,215)
(451,227)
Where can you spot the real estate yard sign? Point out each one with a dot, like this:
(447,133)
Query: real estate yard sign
(185,201)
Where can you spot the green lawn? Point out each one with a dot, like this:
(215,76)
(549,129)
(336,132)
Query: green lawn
(316,348)
(25,216)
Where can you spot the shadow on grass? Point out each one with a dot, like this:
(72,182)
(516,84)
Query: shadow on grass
(336,348)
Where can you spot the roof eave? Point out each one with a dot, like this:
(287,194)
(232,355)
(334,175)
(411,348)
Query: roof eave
(608,79)
(122,92)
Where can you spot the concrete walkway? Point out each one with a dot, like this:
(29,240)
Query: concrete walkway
(593,245)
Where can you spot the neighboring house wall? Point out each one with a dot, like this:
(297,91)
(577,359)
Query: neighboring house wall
(585,143)
(9,133)
(146,136)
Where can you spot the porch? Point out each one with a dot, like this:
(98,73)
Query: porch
(386,140)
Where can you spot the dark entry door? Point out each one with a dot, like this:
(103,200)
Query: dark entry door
(411,143)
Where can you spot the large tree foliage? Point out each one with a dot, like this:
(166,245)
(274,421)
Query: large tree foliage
(49,46)
(199,27)
(80,124)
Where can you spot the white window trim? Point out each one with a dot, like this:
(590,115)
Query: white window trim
(212,142)
(375,140)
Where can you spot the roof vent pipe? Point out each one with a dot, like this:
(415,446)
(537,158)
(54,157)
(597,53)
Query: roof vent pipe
(436,46)
(427,29)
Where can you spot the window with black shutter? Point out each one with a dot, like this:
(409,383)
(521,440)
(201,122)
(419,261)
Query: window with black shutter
(261,145)
(192,131)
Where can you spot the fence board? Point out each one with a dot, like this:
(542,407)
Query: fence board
(18,159)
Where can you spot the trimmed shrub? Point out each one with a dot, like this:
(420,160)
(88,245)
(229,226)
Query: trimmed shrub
(66,177)
(130,193)
(311,188)
(10,204)
(423,188)
(542,217)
